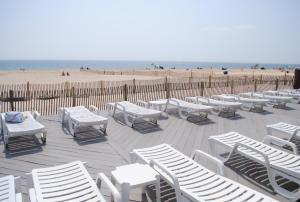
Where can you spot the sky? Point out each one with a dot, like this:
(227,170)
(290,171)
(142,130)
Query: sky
(256,31)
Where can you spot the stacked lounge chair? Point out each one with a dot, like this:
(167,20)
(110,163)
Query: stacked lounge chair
(192,181)
(253,104)
(78,117)
(277,101)
(219,105)
(133,111)
(181,106)
(30,126)
(283,93)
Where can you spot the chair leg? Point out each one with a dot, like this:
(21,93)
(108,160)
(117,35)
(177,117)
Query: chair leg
(44,137)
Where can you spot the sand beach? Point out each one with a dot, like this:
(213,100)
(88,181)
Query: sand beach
(55,76)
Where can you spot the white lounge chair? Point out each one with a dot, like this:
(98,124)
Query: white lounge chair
(30,126)
(283,93)
(192,181)
(219,105)
(181,106)
(277,162)
(68,182)
(133,111)
(8,185)
(78,117)
(277,101)
(286,131)
(253,104)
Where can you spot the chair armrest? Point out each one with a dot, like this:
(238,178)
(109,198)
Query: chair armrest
(121,106)
(294,133)
(32,195)
(212,159)
(155,163)
(177,103)
(18,184)
(237,145)
(280,142)
(143,103)
(101,178)
(36,114)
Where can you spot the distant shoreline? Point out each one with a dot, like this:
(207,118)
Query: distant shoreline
(70,75)
(128,65)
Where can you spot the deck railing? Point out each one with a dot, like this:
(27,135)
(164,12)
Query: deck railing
(48,98)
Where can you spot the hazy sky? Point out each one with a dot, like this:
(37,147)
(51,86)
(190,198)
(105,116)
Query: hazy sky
(183,30)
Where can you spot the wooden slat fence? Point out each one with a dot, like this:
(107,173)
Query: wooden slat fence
(48,98)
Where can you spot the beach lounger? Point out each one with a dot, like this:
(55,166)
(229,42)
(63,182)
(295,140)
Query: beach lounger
(78,117)
(68,182)
(219,105)
(181,106)
(192,181)
(277,101)
(253,104)
(30,126)
(277,162)
(133,111)
(286,131)
(8,185)
(283,93)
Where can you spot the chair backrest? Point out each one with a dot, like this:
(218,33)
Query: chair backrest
(65,182)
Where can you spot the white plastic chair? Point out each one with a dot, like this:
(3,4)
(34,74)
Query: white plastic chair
(78,117)
(8,189)
(219,105)
(30,126)
(68,182)
(253,104)
(277,162)
(191,181)
(133,111)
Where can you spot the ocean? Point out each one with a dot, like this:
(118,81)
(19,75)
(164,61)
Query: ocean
(118,64)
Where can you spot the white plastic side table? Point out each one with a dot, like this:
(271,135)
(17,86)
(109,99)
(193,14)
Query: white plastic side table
(137,176)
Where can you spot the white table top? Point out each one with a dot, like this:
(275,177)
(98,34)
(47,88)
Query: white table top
(135,174)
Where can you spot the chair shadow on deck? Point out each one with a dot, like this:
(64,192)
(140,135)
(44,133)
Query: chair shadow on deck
(86,135)
(23,145)
(142,126)
(257,173)
(192,118)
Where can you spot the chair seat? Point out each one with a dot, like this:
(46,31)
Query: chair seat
(190,106)
(29,126)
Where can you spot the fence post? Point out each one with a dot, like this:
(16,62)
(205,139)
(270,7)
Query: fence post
(284,81)
(231,86)
(261,79)
(202,88)
(101,87)
(209,81)
(27,90)
(167,88)
(73,96)
(11,100)
(276,84)
(134,86)
(227,81)
(255,85)
(125,92)
(190,82)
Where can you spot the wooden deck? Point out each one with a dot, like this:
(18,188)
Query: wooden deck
(104,153)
